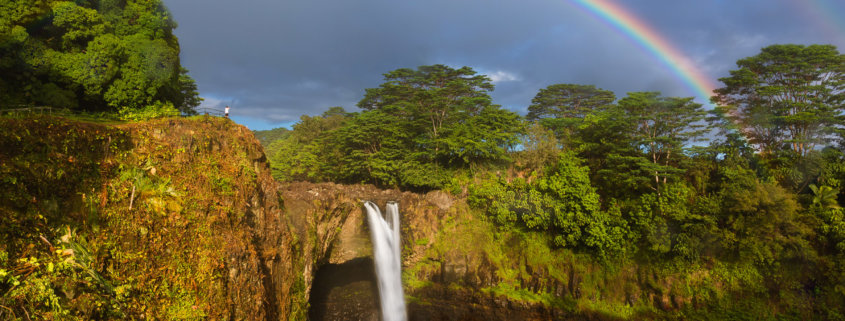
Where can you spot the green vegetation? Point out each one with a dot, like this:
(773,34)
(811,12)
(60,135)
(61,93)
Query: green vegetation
(416,130)
(629,192)
(128,221)
(787,94)
(92,55)
(589,204)
(268,136)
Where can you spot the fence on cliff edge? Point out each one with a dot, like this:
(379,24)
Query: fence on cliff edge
(44,110)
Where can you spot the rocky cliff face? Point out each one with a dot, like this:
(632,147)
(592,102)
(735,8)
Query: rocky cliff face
(446,280)
(330,218)
(169,219)
(459,266)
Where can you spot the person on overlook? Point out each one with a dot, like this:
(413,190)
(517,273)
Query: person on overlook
(227,111)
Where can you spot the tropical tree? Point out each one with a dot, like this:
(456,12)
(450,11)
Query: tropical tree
(539,147)
(788,94)
(662,127)
(637,145)
(368,148)
(299,154)
(824,196)
(449,114)
(562,203)
(561,107)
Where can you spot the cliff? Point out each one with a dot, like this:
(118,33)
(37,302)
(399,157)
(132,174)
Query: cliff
(169,219)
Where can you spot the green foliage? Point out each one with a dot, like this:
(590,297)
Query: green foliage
(824,196)
(539,148)
(661,128)
(562,107)
(561,202)
(266,137)
(640,144)
(786,97)
(369,148)
(449,111)
(92,56)
(156,110)
(46,162)
(832,228)
(59,284)
(417,129)
(761,221)
(295,156)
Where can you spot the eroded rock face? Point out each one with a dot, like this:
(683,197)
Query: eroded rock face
(247,219)
(331,219)
(180,214)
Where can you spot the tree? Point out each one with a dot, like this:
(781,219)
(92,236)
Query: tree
(267,137)
(560,107)
(824,196)
(448,112)
(368,148)
(562,203)
(662,127)
(540,147)
(301,154)
(786,94)
(637,144)
(760,221)
(95,55)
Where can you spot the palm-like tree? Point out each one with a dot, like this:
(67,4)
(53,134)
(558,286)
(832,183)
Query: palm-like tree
(825,196)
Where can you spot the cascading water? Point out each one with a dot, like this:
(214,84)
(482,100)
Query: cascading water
(385,237)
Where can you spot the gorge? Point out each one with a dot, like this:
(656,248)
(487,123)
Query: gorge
(180,219)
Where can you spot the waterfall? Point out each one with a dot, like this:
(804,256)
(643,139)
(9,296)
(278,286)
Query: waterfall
(385,237)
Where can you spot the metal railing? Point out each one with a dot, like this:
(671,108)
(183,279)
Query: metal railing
(44,110)
(39,110)
(210,111)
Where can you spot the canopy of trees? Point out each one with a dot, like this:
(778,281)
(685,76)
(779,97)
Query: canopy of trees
(562,107)
(93,55)
(788,96)
(416,129)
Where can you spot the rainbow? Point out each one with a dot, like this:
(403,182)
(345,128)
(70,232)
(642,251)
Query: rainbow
(829,15)
(645,36)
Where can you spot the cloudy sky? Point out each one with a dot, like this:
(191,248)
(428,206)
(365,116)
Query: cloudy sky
(274,60)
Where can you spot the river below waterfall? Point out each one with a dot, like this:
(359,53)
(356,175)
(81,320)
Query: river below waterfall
(345,291)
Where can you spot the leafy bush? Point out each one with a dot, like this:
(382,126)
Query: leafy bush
(156,110)
(562,203)
(59,282)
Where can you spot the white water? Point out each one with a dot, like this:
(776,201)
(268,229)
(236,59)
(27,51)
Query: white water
(385,236)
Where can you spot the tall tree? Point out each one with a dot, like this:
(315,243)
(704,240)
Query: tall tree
(449,111)
(786,94)
(662,128)
(637,145)
(560,107)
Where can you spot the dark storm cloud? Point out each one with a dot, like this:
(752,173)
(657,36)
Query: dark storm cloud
(276,60)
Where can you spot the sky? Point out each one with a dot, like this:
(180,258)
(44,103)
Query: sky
(275,60)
